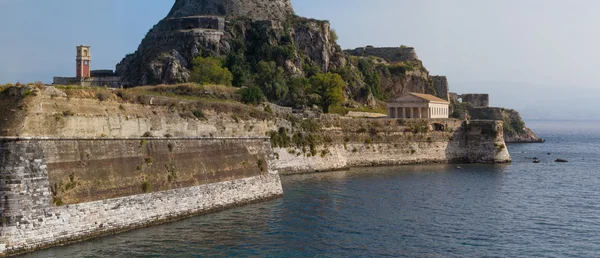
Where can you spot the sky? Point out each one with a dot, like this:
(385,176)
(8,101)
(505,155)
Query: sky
(538,56)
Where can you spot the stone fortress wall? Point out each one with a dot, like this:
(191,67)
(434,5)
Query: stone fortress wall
(57,191)
(107,81)
(391,54)
(252,9)
(192,22)
(440,84)
(475,99)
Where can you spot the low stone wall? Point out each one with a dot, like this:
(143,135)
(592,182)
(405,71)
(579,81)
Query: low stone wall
(56,191)
(390,54)
(473,142)
(109,81)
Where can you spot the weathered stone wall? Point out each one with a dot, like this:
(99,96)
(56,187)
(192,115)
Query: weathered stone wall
(106,81)
(194,22)
(62,190)
(390,54)
(477,100)
(377,142)
(440,84)
(253,9)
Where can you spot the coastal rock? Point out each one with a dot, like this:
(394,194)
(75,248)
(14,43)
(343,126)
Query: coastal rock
(515,130)
(561,161)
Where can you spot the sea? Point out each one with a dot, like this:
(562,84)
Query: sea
(515,210)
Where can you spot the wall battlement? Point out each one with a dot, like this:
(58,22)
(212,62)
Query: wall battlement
(193,23)
(390,54)
(253,9)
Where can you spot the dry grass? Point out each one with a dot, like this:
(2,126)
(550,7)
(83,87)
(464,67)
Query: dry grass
(184,98)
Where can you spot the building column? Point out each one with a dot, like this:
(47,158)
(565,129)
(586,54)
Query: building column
(419,110)
(403,112)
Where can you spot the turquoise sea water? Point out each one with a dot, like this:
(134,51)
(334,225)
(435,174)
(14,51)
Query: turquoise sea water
(516,210)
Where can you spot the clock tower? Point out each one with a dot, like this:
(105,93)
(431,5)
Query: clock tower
(83,62)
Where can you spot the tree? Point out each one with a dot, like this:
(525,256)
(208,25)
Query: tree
(329,87)
(210,71)
(252,95)
(371,77)
(271,79)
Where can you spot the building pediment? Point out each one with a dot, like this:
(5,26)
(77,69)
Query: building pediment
(409,98)
(419,97)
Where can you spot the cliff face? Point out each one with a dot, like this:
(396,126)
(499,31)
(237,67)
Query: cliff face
(244,31)
(398,71)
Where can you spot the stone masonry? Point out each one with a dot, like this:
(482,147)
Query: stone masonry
(390,54)
(32,218)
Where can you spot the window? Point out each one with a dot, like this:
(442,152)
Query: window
(85,52)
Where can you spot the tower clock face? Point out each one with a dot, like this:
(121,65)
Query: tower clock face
(86,63)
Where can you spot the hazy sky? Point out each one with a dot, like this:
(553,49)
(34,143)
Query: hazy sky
(539,56)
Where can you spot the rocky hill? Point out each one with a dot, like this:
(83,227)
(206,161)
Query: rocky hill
(244,33)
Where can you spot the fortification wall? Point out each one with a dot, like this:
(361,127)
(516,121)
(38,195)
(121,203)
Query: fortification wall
(105,81)
(390,54)
(477,100)
(440,84)
(193,22)
(382,142)
(253,9)
(57,191)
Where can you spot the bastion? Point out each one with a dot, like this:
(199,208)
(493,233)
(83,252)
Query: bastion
(82,163)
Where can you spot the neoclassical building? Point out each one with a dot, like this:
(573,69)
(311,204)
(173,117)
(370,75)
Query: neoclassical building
(416,105)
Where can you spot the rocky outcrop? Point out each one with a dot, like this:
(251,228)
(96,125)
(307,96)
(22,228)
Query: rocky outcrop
(399,71)
(527,136)
(251,31)
(515,130)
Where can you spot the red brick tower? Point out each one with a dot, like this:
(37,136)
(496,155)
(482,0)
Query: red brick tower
(83,62)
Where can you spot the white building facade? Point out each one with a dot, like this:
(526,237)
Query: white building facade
(416,105)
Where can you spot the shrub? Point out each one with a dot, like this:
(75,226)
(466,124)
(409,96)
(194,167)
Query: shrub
(68,113)
(146,187)
(210,71)
(103,95)
(147,135)
(199,114)
(252,95)
(334,35)
(271,79)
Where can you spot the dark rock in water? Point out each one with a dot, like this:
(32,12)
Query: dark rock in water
(549,153)
(535,158)
(537,161)
(561,160)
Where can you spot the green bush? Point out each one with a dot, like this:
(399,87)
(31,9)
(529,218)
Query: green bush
(210,71)
(252,95)
(329,87)
(199,114)
(271,79)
